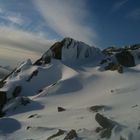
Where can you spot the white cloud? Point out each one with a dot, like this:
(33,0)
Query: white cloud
(17,45)
(66,17)
(118,5)
(134,14)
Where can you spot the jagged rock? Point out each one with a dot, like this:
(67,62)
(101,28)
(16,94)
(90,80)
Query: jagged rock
(17,91)
(97,108)
(71,135)
(60,109)
(59,133)
(106,133)
(125,58)
(57,50)
(104,122)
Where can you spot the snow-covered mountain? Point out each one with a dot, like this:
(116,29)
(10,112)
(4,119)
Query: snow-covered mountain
(70,52)
(74,91)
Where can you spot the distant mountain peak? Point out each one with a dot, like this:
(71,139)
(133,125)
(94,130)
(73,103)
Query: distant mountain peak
(70,51)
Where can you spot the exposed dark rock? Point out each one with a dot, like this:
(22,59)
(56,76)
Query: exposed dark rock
(2,83)
(38,62)
(106,133)
(40,90)
(60,109)
(112,91)
(97,108)
(125,58)
(103,61)
(57,50)
(31,116)
(98,129)
(24,101)
(120,69)
(2,114)
(71,135)
(59,133)
(28,127)
(3,99)
(112,66)
(35,73)
(17,91)
(104,122)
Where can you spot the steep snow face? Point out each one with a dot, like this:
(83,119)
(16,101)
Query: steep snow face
(76,51)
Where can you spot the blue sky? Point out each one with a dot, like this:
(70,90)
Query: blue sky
(33,25)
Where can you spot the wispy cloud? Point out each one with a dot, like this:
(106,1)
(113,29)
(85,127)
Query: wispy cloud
(118,5)
(11,17)
(67,18)
(134,14)
(17,45)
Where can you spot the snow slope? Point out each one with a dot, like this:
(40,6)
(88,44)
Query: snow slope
(76,89)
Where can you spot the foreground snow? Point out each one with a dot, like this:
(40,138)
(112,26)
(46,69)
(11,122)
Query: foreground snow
(76,89)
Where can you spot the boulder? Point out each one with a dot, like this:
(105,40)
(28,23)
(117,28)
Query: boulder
(60,109)
(104,122)
(106,126)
